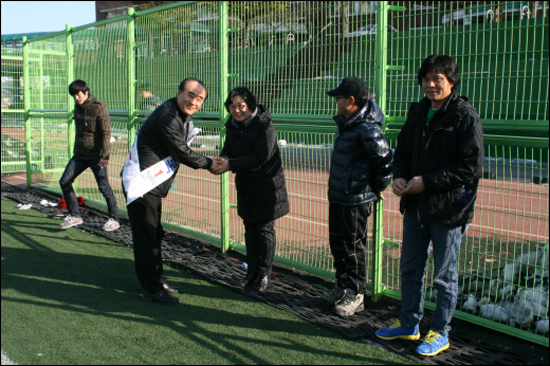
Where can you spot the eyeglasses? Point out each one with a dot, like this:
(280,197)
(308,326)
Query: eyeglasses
(240,107)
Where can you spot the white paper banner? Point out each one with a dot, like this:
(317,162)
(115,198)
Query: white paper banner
(137,182)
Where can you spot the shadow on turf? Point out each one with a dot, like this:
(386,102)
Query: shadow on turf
(107,287)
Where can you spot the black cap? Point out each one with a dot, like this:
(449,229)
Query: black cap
(350,86)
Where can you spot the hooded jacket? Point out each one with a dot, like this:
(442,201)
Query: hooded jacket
(254,156)
(448,154)
(92,129)
(164,134)
(361,158)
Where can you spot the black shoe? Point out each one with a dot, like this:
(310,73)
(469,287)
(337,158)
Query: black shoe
(162,297)
(261,283)
(248,280)
(170,289)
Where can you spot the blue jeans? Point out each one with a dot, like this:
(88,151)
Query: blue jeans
(75,167)
(414,253)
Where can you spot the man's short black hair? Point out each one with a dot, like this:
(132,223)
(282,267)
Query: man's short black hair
(185,81)
(78,86)
(440,64)
(244,93)
(361,101)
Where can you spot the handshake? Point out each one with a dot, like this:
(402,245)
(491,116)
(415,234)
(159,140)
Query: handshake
(219,166)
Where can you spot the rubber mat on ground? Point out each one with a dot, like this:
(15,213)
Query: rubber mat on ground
(301,298)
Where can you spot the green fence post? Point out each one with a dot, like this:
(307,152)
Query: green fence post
(378,242)
(380,88)
(42,135)
(70,100)
(381,53)
(131,77)
(26,106)
(223,72)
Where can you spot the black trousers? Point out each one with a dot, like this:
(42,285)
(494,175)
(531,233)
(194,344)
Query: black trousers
(348,240)
(260,247)
(147,232)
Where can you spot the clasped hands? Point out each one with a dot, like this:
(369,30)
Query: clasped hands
(219,166)
(415,186)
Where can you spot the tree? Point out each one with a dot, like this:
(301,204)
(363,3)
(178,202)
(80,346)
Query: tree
(144,5)
(533,5)
(345,18)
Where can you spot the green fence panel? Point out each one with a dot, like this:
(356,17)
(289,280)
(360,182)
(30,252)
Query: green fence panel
(290,54)
(503,60)
(13,120)
(13,142)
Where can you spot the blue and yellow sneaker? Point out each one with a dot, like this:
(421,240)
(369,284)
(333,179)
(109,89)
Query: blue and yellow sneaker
(396,331)
(433,344)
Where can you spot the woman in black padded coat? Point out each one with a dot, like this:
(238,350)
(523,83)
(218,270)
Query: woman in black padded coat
(251,152)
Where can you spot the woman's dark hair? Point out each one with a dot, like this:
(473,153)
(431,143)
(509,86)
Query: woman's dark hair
(78,86)
(440,64)
(185,81)
(244,93)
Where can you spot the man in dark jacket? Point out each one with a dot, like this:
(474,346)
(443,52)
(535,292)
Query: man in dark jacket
(91,150)
(438,162)
(360,171)
(164,138)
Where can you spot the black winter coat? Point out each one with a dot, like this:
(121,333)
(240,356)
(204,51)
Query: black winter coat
(448,154)
(164,134)
(254,156)
(92,129)
(361,159)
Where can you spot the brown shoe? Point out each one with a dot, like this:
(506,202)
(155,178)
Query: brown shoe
(162,297)
(248,280)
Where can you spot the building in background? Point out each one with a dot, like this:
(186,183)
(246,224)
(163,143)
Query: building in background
(110,9)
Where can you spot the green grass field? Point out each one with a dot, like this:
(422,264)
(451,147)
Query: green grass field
(72,297)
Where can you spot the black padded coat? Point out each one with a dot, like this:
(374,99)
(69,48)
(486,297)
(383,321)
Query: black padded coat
(448,154)
(254,156)
(361,162)
(92,129)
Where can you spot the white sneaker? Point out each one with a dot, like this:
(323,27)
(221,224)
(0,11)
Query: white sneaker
(111,225)
(351,304)
(70,221)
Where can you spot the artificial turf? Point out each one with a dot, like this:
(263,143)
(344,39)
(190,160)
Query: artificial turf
(72,297)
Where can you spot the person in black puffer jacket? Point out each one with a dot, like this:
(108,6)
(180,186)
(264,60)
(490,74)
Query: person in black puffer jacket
(360,171)
(251,151)
(438,163)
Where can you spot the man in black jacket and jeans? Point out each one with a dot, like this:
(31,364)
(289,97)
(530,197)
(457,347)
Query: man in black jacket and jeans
(92,147)
(360,171)
(165,136)
(438,162)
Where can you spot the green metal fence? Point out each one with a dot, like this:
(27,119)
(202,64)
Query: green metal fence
(289,54)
